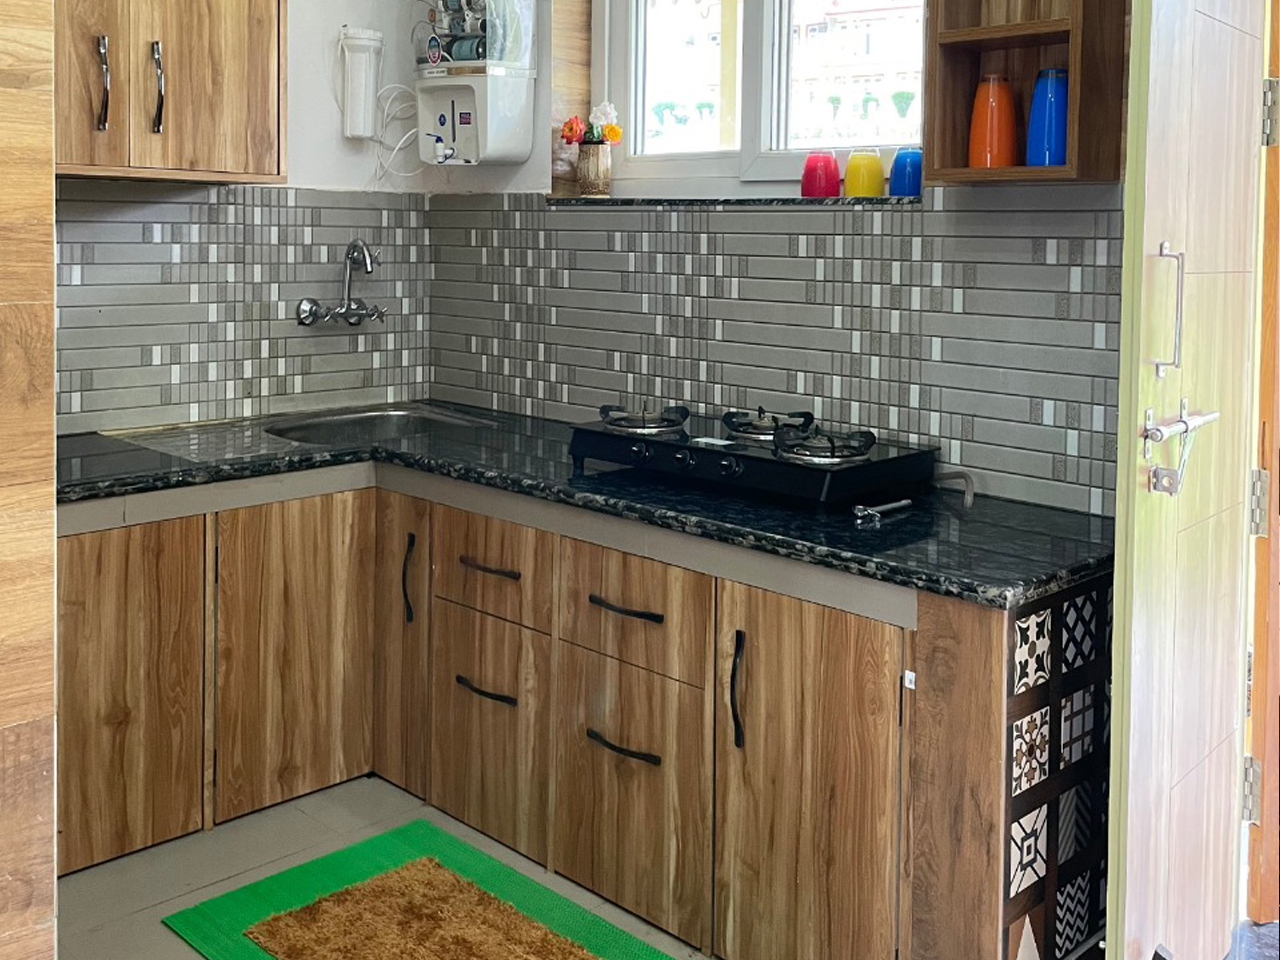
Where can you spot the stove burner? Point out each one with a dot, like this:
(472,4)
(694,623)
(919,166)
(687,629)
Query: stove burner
(761,426)
(644,423)
(823,449)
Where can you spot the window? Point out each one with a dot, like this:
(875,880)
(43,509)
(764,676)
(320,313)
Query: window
(741,89)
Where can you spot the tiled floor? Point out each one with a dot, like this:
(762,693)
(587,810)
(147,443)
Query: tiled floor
(113,911)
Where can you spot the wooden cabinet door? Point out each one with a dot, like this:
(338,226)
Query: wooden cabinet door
(807,759)
(222,85)
(130,689)
(633,790)
(91,33)
(652,614)
(491,565)
(490,715)
(295,685)
(402,605)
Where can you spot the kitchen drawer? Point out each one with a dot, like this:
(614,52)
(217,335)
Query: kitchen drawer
(633,790)
(494,566)
(490,710)
(650,614)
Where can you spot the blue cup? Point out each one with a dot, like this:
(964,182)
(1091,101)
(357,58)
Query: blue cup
(1047,127)
(906,178)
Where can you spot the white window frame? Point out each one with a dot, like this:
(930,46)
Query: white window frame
(756,167)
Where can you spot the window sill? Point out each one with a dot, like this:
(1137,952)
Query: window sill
(734,202)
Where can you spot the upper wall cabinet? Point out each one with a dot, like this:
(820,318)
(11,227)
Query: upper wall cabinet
(171,89)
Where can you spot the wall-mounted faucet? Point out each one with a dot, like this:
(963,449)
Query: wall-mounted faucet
(352,309)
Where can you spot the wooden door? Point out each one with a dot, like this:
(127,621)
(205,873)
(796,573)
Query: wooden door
(295,623)
(633,790)
(402,608)
(490,726)
(222,84)
(92,62)
(806,789)
(130,689)
(1193,152)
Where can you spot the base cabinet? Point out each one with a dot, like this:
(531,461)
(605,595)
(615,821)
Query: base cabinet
(806,780)
(130,694)
(633,790)
(490,726)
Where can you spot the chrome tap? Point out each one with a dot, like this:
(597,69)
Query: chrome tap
(352,309)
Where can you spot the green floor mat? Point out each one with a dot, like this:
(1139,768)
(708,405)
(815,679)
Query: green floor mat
(217,927)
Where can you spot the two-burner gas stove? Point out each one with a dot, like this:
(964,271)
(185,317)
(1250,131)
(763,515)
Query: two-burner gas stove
(781,455)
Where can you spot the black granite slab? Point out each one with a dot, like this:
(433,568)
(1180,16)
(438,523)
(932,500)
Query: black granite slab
(996,553)
(734,202)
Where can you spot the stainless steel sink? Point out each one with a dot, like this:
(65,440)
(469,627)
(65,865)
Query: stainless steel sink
(362,427)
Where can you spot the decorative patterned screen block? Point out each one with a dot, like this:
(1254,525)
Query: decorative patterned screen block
(1059,713)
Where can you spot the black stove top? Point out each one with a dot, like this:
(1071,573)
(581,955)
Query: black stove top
(785,457)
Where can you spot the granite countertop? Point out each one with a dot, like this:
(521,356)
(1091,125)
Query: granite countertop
(996,553)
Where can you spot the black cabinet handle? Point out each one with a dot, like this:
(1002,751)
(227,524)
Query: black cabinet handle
(596,600)
(488,695)
(474,564)
(104,60)
(651,758)
(739,645)
(404,578)
(157,58)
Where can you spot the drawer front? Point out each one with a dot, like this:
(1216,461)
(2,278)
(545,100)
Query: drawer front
(494,566)
(633,801)
(490,708)
(650,614)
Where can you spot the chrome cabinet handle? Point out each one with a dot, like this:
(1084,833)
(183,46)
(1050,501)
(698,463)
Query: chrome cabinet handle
(157,57)
(1164,366)
(104,59)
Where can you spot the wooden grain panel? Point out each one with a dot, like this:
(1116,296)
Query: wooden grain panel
(523,595)
(402,608)
(635,833)
(31,943)
(490,760)
(571,66)
(27,599)
(26,393)
(955,769)
(806,809)
(222,75)
(130,689)
(80,81)
(295,622)
(676,647)
(26,806)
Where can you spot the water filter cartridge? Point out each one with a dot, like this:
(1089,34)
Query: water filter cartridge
(362,73)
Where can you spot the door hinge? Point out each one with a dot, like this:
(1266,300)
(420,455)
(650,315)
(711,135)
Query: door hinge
(1271,112)
(1252,809)
(1260,503)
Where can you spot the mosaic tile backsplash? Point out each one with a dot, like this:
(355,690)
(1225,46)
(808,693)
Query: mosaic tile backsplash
(983,320)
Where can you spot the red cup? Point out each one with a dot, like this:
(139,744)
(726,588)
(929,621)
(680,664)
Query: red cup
(821,177)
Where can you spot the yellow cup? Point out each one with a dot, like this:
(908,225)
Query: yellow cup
(864,176)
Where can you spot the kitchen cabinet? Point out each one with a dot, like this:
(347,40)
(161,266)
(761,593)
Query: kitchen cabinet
(806,780)
(654,615)
(633,790)
(187,89)
(494,566)
(130,689)
(490,725)
(402,615)
(295,623)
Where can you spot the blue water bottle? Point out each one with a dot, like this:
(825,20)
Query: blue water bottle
(907,175)
(1047,128)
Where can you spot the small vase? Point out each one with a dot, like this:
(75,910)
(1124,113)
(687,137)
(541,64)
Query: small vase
(595,169)
(993,134)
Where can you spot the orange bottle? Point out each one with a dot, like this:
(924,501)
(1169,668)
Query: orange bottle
(993,140)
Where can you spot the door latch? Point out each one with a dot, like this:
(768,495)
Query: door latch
(1162,479)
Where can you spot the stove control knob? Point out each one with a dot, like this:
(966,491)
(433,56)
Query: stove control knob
(640,451)
(686,459)
(731,467)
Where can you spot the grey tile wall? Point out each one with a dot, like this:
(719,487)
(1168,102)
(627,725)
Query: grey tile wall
(176,302)
(985,320)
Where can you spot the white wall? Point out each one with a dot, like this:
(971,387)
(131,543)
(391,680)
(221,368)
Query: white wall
(319,155)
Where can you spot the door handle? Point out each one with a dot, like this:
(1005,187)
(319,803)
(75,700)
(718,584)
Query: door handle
(404,577)
(487,694)
(598,601)
(471,563)
(1187,426)
(739,646)
(104,59)
(650,758)
(157,57)
(1164,366)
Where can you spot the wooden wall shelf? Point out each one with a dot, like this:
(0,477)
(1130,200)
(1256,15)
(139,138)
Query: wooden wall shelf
(967,39)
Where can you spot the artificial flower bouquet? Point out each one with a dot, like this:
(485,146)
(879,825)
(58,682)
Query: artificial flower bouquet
(601,127)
